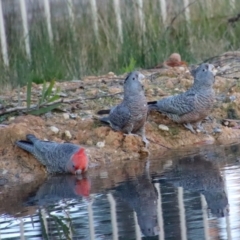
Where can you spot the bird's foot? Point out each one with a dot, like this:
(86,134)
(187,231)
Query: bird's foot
(144,139)
(200,128)
(189,127)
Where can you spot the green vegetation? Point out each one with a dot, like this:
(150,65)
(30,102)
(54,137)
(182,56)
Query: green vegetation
(77,52)
(47,97)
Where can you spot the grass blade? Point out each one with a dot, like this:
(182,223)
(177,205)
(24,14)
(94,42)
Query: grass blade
(44,110)
(48,92)
(43,92)
(29,93)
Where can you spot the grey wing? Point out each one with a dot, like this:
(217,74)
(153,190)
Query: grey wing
(179,105)
(59,151)
(119,116)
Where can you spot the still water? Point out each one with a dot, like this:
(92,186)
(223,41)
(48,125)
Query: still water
(187,194)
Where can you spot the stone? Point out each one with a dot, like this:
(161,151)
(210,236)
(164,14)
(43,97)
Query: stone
(11,119)
(100,144)
(54,129)
(66,116)
(163,127)
(68,134)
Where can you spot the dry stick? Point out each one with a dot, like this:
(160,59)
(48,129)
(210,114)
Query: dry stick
(34,107)
(179,13)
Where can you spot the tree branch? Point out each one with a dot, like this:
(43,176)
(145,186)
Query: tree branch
(36,107)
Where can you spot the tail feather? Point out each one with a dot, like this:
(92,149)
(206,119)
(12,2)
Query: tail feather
(101,112)
(26,145)
(151,103)
(153,106)
(31,138)
(105,120)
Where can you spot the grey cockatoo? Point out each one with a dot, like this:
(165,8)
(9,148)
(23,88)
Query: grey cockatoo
(141,195)
(57,157)
(130,115)
(57,188)
(197,173)
(192,106)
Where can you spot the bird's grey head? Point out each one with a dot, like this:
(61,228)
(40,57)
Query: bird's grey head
(204,75)
(133,83)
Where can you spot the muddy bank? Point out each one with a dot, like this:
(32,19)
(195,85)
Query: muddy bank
(24,199)
(76,121)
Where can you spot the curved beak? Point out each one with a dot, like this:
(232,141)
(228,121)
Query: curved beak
(212,69)
(141,77)
(79,171)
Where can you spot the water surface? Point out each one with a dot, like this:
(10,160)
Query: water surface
(181,195)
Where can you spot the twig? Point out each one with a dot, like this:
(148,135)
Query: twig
(231,120)
(35,107)
(179,13)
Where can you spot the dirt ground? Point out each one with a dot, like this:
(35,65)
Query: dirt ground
(76,121)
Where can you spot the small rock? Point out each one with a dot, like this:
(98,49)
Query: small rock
(225,123)
(217,130)
(48,114)
(62,94)
(232,98)
(54,129)
(3,181)
(163,127)
(11,118)
(66,116)
(103,174)
(73,116)
(100,144)
(68,134)
(89,142)
(4,171)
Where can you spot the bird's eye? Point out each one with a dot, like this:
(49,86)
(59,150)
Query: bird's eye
(133,78)
(73,166)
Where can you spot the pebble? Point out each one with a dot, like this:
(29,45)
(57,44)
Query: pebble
(3,181)
(11,118)
(4,171)
(225,123)
(100,144)
(217,130)
(54,129)
(103,174)
(68,134)
(232,98)
(62,94)
(73,115)
(66,116)
(48,114)
(163,127)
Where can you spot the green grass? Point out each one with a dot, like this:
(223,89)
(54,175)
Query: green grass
(77,52)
